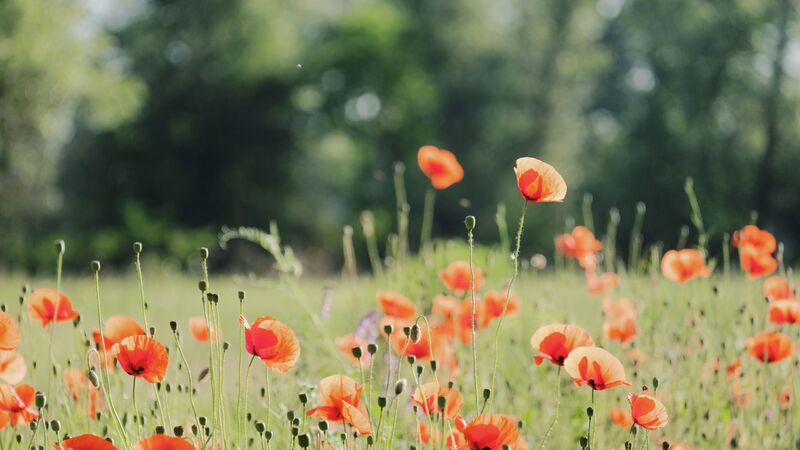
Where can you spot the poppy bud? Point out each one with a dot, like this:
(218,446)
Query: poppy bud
(469,222)
(414,334)
(399,167)
(323,425)
(584,441)
(75,322)
(226,345)
(407,331)
(356,352)
(95,265)
(178,431)
(55,426)
(434,365)
(381,402)
(268,435)
(92,376)
(290,415)
(441,401)
(487,393)
(400,386)
(411,359)
(202,285)
(665,445)
(303,441)
(202,420)
(137,247)
(60,247)
(295,431)
(370,441)
(388,329)
(173,325)
(152,331)
(260,427)
(241,296)
(203,253)
(160,429)
(589,411)
(41,400)
(194,430)
(303,398)
(506,447)
(419,370)
(372,349)
(655,383)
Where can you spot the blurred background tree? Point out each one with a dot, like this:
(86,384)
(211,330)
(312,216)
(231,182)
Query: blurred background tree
(176,117)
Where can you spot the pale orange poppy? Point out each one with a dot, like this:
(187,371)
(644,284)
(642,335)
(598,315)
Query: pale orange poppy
(495,301)
(596,368)
(683,265)
(340,398)
(777,288)
(784,311)
(538,181)
(457,277)
(12,367)
(396,305)
(769,347)
(85,442)
(142,357)
(647,411)
(18,403)
(751,236)
(554,342)
(273,342)
(581,245)
(164,442)
(200,329)
(47,305)
(427,395)
(440,165)
(491,431)
(620,320)
(600,284)
(620,417)
(78,385)
(9,332)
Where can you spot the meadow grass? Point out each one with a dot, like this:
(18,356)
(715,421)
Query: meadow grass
(687,334)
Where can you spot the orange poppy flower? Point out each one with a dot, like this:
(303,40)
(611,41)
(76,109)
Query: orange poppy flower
(538,181)
(785,398)
(679,447)
(755,262)
(554,342)
(9,332)
(620,417)
(18,403)
(142,357)
(777,288)
(421,349)
(620,330)
(78,385)
(751,236)
(273,342)
(647,411)
(770,347)
(85,442)
(440,165)
(395,305)
(581,245)
(464,317)
(340,396)
(346,343)
(115,329)
(683,265)
(43,306)
(458,279)
(200,329)
(595,367)
(490,431)
(600,284)
(733,368)
(619,310)
(427,396)
(784,311)
(164,442)
(12,367)
(455,441)
(495,301)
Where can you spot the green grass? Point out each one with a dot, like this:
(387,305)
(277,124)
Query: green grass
(682,330)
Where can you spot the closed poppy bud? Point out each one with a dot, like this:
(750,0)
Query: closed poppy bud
(469,222)
(400,386)
(203,253)
(487,393)
(372,349)
(177,431)
(323,425)
(173,325)
(60,247)
(303,398)
(356,352)
(303,441)
(381,402)
(241,295)
(95,265)
(93,378)
(137,247)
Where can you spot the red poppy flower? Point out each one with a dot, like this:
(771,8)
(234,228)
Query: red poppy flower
(733,368)
(683,265)
(85,442)
(755,262)
(620,418)
(595,367)
(12,367)
(770,347)
(18,403)
(491,431)
(346,343)
(9,332)
(538,181)
(751,236)
(554,342)
(115,329)
(441,166)
(581,245)
(600,284)
(784,311)
(777,288)
(427,396)
(495,301)
(647,411)
(46,305)
(273,342)
(395,305)
(164,442)
(142,357)
(340,396)
(457,277)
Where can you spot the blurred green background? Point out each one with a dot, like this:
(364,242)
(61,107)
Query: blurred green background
(163,120)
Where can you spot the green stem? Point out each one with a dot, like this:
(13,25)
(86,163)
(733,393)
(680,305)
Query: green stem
(470,238)
(558,404)
(427,218)
(136,415)
(239,374)
(189,377)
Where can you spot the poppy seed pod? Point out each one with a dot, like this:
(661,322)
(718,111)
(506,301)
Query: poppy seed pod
(590,411)
(203,253)
(202,285)
(60,247)
(95,265)
(137,247)
(241,295)
(388,329)
(173,325)
(303,398)
(268,435)
(665,445)
(159,429)
(469,222)
(381,402)
(303,441)
(414,334)
(400,386)
(41,400)
(356,352)
(372,349)
(323,425)
(178,431)
(487,393)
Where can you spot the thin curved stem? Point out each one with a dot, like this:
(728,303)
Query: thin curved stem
(558,404)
